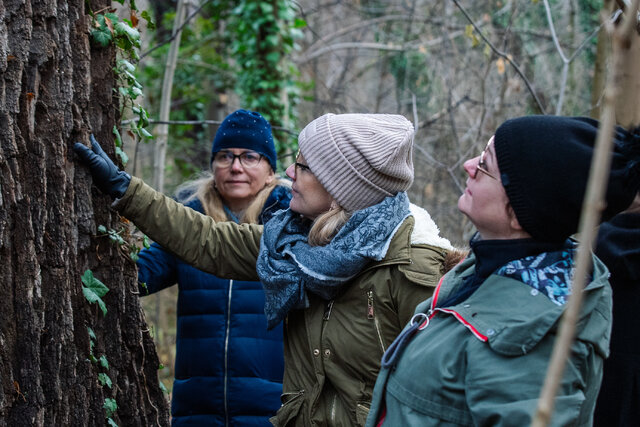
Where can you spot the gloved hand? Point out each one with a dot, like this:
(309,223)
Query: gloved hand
(106,175)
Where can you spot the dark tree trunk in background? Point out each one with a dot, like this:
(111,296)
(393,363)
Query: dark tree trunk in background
(55,88)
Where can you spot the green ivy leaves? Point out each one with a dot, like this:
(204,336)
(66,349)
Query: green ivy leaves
(264,34)
(93,290)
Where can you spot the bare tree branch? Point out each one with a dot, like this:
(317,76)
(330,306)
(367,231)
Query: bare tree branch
(503,56)
(177,31)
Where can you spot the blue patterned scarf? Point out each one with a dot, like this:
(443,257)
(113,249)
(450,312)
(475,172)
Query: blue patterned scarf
(549,272)
(289,267)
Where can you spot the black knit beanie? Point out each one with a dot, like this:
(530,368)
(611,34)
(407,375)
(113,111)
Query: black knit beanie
(246,129)
(544,165)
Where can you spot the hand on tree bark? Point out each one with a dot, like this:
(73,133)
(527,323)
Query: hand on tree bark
(106,175)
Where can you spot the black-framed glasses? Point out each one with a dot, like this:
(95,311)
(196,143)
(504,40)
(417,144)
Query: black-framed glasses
(301,166)
(482,165)
(248,159)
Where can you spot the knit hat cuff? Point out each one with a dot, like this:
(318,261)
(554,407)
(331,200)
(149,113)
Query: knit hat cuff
(509,176)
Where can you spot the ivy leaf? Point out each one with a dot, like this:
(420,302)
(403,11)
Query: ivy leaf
(103,362)
(266,8)
(273,57)
(145,133)
(110,406)
(116,133)
(102,36)
(123,29)
(150,22)
(123,156)
(126,65)
(94,290)
(163,388)
(104,379)
(111,422)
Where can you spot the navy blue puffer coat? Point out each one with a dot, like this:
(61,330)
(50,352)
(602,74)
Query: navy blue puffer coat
(228,368)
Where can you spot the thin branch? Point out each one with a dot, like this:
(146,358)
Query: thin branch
(416,45)
(177,31)
(552,28)
(589,219)
(566,61)
(503,56)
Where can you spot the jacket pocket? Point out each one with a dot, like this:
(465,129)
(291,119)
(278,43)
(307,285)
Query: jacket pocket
(362,410)
(290,409)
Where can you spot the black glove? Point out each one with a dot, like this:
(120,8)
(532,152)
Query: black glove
(106,175)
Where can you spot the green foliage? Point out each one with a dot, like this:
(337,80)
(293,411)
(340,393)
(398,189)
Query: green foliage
(264,35)
(103,362)
(110,406)
(240,47)
(104,379)
(93,290)
(108,28)
(115,237)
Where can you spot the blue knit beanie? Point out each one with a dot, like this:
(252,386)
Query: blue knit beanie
(245,129)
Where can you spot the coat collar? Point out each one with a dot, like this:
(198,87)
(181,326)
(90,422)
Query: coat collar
(513,317)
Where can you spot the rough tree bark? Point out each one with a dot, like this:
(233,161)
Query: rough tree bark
(56,88)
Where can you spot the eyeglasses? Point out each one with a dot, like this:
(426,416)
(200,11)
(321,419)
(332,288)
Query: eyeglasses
(248,159)
(482,165)
(300,166)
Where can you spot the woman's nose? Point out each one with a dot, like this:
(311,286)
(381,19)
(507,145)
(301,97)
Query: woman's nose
(291,172)
(236,165)
(470,166)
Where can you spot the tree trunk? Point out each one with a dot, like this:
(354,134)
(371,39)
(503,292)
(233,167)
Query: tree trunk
(603,51)
(57,88)
(627,105)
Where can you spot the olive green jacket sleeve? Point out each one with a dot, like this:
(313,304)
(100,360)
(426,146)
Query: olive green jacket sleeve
(226,249)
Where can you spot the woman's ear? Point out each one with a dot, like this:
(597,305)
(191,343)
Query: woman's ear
(334,205)
(513,220)
(270,178)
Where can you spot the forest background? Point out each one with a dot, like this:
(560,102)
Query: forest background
(152,80)
(456,69)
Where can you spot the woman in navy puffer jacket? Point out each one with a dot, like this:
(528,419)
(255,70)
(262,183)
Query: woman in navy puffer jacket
(228,369)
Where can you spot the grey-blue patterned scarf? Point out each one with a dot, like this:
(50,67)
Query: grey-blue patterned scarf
(289,267)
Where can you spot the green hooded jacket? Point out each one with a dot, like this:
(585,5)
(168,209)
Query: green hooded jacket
(332,349)
(483,361)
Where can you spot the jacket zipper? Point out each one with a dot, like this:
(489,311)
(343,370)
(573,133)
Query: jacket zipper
(376,323)
(327,310)
(333,409)
(226,353)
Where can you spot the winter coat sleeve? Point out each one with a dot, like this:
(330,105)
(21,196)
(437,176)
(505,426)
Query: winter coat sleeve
(225,249)
(156,270)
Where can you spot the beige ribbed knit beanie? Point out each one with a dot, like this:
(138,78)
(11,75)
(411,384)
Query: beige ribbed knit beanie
(359,158)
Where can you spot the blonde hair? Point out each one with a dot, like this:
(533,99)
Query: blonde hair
(327,225)
(204,189)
